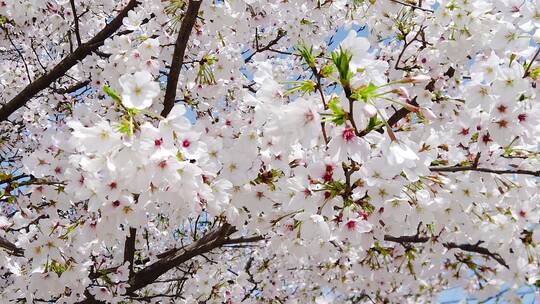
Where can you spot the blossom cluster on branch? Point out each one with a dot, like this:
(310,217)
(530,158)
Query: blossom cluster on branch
(261,151)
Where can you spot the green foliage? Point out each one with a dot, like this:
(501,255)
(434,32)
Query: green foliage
(112,93)
(126,126)
(56,267)
(364,93)
(269,178)
(334,187)
(327,71)
(535,73)
(3,20)
(304,86)
(338,116)
(307,54)
(341,60)
(374,123)
(205,75)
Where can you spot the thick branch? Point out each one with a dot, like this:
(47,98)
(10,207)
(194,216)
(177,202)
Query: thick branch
(178,56)
(67,63)
(129,249)
(208,242)
(12,248)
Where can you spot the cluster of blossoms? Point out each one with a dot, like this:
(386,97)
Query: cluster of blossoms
(259,151)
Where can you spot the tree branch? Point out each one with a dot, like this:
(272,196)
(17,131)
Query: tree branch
(178,56)
(213,239)
(528,70)
(77,86)
(281,33)
(76,21)
(20,54)
(413,6)
(486,170)
(476,248)
(129,249)
(67,63)
(12,248)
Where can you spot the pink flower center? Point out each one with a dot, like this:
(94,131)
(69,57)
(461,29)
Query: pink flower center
(522,117)
(351,225)
(309,116)
(329,168)
(186,143)
(348,134)
(327,176)
(364,215)
(158,142)
(162,164)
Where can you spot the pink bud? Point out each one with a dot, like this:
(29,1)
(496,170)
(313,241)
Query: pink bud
(427,113)
(369,110)
(416,79)
(402,92)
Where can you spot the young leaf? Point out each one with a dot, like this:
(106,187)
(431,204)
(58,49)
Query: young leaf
(112,93)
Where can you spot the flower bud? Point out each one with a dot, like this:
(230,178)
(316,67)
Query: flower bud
(427,113)
(416,79)
(369,110)
(402,92)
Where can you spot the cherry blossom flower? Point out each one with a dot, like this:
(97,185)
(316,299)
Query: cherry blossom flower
(138,90)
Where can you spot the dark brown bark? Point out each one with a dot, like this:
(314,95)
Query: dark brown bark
(178,55)
(208,242)
(129,249)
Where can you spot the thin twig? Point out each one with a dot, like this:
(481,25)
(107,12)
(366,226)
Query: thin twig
(528,70)
(76,21)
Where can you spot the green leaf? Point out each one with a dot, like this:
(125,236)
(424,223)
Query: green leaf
(327,71)
(364,93)
(338,115)
(126,127)
(307,54)
(304,86)
(112,93)
(341,60)
(57,267)
(535,73)
(374,123)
